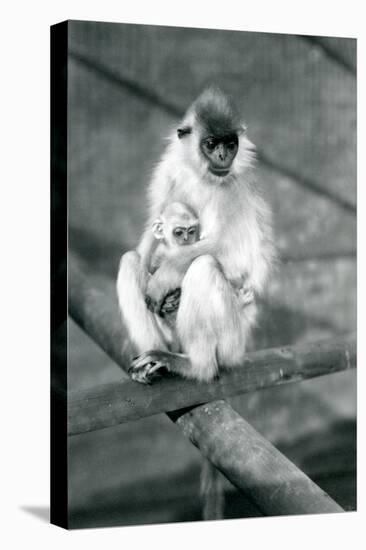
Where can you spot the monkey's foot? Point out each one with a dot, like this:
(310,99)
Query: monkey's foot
(167,305)
(171,303)
(145,367)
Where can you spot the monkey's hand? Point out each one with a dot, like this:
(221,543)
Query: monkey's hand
(145,367)
(163,289)
(246,295)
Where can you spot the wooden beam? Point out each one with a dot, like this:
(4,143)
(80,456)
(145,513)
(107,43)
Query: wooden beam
(95,309)
(252,463)
(117,403)
(248,460)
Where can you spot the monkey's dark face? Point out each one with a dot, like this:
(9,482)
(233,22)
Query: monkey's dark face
(219,152)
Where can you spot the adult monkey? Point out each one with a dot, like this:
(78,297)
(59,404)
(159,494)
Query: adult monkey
(208,166)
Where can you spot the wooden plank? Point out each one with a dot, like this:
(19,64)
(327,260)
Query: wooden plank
(312,423)
(94,306)
(116,403)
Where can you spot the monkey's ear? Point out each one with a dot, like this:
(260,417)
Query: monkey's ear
(157,229)
(184,131)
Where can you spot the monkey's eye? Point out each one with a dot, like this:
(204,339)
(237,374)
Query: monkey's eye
(210,144)
(178,232)
(231,145)
(192,230)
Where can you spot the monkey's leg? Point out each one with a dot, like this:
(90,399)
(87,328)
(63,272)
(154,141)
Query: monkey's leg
(212,325)
(141,324)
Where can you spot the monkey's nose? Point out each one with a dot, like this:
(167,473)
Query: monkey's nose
(221,152)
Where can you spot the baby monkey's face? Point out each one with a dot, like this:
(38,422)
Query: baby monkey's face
(183,235)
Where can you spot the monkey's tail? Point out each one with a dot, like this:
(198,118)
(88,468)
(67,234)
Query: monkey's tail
(212,492)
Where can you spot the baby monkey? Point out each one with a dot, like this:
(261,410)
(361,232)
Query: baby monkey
(176,226)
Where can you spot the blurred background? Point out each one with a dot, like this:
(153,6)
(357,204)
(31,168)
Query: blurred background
(128,86)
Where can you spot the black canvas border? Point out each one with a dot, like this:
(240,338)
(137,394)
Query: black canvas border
(59,249)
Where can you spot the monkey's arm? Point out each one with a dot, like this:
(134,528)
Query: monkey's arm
(171,272)
(263,266)
(147,247)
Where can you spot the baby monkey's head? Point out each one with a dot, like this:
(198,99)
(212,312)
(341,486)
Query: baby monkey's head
(177,225)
